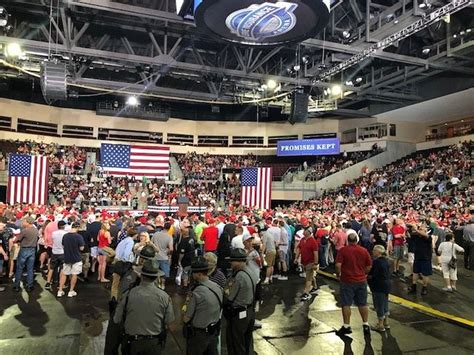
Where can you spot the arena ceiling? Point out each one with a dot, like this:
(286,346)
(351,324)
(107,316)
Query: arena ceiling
(144,46)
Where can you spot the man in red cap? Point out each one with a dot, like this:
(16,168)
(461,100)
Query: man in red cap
(209,236)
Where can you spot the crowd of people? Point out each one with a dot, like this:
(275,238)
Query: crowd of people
(367,232)
(208,167)
(327,165)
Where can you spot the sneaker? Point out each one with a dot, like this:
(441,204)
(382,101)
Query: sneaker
(47,286)
(276,276)
(266,282)
(283,278)
(453,288)
(447,289)
(424,291)
(60,294)
(305,297)
(299,269)
(29,289)
(72,294)
(16,289)
(302,274)
(376,328)
(314,291)
(344,331)
(367,329)
(2,288)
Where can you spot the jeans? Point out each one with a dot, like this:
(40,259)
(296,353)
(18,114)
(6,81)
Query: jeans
(323,255)
(380,300)
(25,257)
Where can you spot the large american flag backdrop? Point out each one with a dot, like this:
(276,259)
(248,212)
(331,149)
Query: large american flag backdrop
(28,179)
(256,186)
(151,161)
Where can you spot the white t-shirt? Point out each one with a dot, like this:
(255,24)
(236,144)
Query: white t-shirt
(237,242)
(275,231)
(283,243)
(455,180)
(58,241)
(446,251)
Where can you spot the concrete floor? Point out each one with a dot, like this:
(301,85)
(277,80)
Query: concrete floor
(38,323)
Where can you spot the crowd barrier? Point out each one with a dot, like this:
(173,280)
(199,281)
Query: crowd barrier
(155,209)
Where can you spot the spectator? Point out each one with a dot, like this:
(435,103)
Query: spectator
(28,239)
(308,249)
(57,256)
(447,251)
(73,244)
(353,263)
(379,283)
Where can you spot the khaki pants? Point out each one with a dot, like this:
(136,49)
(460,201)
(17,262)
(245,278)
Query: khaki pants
(114,289)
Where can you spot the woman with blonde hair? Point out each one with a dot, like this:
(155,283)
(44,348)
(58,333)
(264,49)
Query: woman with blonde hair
(104,241)
(143,239)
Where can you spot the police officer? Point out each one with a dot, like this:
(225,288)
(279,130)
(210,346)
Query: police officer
(129,279)
(145,311)
(239,298)
(202,311)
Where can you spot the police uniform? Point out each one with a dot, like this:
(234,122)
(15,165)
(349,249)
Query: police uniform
(130,279)
(203,307)
(145,310)
(239,297)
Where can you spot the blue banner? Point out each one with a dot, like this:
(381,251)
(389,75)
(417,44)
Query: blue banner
(321,146)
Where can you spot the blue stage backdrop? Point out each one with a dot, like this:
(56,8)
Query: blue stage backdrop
(322,146)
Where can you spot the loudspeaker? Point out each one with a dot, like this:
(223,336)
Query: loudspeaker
(53,81)
(299,108)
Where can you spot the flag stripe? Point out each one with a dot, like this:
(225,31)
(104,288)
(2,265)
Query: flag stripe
(256,187)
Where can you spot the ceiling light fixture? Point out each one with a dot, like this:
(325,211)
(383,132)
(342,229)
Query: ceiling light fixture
(13,50)
(132,101)
(346,34)
(336,90)
(272,84)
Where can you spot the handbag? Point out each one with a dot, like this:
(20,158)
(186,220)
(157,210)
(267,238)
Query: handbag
(453,263)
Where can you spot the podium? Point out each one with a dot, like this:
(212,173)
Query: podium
(183,203)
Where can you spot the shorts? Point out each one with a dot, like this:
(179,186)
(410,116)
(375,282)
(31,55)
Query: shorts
(86,264)
(270,258)
(41,249)
(353,293)
(398,251)
(449,273)
(72,269)
(165,267)
(282,254)
(94,252)
(411,257)
(423,267)
(14,251)
(57,261)
(101,251)
(309,272)
(49,251)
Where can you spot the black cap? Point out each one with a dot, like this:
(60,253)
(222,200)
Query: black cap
(61,224)
(199,264)
(237,254)
(147,252)
(76,224)
(150,268)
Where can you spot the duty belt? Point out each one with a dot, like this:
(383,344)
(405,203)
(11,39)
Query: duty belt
(141,337)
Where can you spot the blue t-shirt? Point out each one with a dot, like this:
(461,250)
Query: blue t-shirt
(71,244)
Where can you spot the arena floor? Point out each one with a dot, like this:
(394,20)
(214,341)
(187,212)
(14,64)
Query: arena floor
(41,324)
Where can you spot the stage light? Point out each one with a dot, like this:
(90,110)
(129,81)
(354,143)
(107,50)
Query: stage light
(336,90)
(3,17)
(349,83)
(305,59)
(272,84)
(426,51)
(132,101)
(346,34)
(13,50)
(359,80)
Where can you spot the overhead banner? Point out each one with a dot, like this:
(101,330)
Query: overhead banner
(321,146)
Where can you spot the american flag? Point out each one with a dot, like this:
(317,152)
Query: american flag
(135,160)
(256,187)
(28,179)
